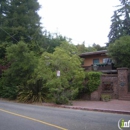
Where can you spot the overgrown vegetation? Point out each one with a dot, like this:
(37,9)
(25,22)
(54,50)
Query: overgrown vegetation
(30,56)
(119,51)
(119,35)
(93,80)
(120,21)
(105,97)
(90,84)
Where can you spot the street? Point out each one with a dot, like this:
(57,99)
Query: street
(17,116)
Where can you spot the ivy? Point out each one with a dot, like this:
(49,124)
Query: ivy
(93,80)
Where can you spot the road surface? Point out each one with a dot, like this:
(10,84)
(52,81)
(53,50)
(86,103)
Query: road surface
(17,116)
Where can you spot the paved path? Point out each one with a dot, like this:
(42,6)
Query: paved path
(114,106)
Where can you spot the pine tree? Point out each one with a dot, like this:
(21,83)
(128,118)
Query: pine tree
(3,13)
(120,21)
(116,28)
(21,21)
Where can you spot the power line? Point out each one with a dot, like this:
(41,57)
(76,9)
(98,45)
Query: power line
(8,34)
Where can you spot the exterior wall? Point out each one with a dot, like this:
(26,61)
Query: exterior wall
(113,80)
(88,61)
(116,85)
(123,85)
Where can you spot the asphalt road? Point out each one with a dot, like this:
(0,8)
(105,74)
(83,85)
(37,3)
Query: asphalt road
(16,116)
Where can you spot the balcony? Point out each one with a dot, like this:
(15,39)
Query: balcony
(103,67)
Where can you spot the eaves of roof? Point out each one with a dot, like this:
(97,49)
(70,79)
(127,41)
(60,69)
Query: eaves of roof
(93,53)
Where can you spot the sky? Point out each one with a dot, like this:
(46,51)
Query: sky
(80,20)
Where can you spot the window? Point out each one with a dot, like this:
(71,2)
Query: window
(95,61)
(107,60)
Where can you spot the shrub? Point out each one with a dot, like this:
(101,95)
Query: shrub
(93,80)
(105,97)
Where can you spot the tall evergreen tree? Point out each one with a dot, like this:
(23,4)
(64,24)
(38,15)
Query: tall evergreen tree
(116,28)
(3,13)
(21,22)
(120,21)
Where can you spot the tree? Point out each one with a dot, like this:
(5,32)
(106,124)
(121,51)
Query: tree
(120,51)
(65,87)
(3,13)
(81,48)
(93,80)
(51,41)
(3,10)
(22,65)
(20,21)
(120,22)
(98,47)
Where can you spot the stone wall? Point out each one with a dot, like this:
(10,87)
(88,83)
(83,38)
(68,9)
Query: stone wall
(109,85)
(124,94)
(115,85)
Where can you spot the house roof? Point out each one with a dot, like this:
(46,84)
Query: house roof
(93,53)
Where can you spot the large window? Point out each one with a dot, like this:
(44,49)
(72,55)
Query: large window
(95,61)
(107,60)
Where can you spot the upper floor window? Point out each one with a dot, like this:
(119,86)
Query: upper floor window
(107,60)
(95,61)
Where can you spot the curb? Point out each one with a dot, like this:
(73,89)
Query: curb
(89,109)
(99,110)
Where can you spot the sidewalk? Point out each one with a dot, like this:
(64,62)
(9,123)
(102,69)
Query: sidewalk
(113,106)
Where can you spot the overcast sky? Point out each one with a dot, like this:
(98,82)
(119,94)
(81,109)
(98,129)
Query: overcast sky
(81,20)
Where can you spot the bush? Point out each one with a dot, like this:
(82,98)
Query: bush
(105,97)
(32,92)
(93,80)
(8,92)
(119,51)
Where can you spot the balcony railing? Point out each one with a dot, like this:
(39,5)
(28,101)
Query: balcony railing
(106,68)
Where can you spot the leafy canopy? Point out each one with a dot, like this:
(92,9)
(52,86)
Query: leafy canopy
(63,88)
(120,51)
(120,21)
(93,80)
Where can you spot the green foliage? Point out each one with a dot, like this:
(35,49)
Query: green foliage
(93,80)
(3,46)
(81,48)
(30,79)
(120,52)
(106,97)
(20,21)
(51,41)
(95,47)
(22,63)
(120,22)
(98,47)
(63,88)
(32,92)
(9,92)
(22,42)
